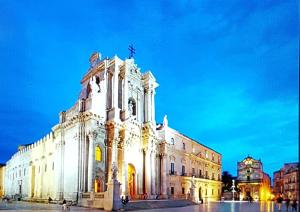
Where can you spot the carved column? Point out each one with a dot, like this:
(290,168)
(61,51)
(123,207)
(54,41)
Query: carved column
(153,172)
(147,103)
(125,96)
(115,91)
(109,152)
(112,149)
(153,105)
(120,158)
(124,164)
(91,161)
(164,174)
(147,171)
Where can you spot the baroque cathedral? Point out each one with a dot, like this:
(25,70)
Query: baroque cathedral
(113,122)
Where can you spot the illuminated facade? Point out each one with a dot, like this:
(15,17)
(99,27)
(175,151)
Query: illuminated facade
(2,171)
(113,121)
(286,181)
(252,181)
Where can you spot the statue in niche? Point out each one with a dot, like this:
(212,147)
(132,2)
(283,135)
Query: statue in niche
(130,107)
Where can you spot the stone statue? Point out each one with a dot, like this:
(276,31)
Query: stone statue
(193,182)
(165,122)
(130,108)
(114,170)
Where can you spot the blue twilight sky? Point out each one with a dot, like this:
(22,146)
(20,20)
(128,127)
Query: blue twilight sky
(228,70)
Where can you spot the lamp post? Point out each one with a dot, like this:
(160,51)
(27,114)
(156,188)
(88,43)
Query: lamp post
(233,191)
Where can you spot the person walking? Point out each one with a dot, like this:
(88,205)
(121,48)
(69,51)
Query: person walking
(287,203)
(294,204)
(64,204)
(279,202)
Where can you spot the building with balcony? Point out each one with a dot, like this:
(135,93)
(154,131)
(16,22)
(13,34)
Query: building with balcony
(286,181)
(188,162)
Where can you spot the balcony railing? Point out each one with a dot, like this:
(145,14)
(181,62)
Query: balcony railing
(172,173)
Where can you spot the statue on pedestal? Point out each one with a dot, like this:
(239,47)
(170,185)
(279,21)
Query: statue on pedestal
(165,122)
(114,170)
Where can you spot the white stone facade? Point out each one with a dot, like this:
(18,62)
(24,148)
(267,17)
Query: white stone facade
(114,121)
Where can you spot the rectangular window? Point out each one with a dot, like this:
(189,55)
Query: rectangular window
(172,190)
(182,190)
(120,94)
(200,173)
(183,146)
(172,168)
(45,167)
(213,176)
(183,170)
(52,165)
(205,191)
(206,174)
(193,171)
(24,172)
(212,191)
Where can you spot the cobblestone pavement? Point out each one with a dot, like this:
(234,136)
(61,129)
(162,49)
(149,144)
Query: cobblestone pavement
(227,207)
(208,207)
(28,206)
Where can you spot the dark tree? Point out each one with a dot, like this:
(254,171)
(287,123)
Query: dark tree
(227,181)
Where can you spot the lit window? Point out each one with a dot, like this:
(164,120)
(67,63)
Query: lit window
(97,185)
(98,155)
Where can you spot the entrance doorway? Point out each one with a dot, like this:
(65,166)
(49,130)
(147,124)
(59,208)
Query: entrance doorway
(199,194)
(131,180)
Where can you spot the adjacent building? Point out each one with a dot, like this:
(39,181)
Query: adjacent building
(286,181)
(252,181)
(113,122)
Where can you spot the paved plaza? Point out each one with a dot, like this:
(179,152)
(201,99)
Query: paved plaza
(209,207)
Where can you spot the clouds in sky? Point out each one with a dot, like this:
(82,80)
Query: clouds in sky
(228,70)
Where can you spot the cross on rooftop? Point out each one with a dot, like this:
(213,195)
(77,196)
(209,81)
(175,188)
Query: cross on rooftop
(131,51)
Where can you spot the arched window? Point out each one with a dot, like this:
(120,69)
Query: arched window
(172,141)
(98,154)
(88,90)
